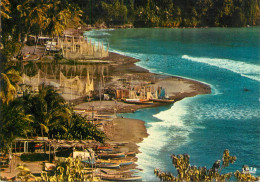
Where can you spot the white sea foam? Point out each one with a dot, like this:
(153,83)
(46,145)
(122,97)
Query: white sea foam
(244,69)
(173,116)
(171,128)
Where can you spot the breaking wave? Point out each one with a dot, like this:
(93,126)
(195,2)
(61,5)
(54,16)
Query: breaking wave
(244,69)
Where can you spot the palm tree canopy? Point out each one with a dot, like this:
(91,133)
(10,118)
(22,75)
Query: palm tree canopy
(9,84)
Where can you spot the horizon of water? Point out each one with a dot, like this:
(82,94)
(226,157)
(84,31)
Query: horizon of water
(227,59)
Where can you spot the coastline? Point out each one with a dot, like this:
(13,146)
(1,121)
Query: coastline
(132,131)
(126,131)
(122,66)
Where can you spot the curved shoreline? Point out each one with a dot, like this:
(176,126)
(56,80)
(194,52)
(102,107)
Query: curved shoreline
(120,129)
(122,66)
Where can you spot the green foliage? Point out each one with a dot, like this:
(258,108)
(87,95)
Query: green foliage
(9,84)
(44,114)
(66,170)
(13,123)
(54,118)
(245,175)
(114,13)
(24,173)
(186,172)
(173,13)
(20,18)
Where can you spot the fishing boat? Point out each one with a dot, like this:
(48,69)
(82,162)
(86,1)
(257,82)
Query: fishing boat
(111,155)
(162,100)
(130,153)
(160,95)
(89,170)
(105,148)
(138,101)
(120,178)
(108,165)
(120,162)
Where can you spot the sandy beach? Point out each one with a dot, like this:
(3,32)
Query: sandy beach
(128,130)
(124,67)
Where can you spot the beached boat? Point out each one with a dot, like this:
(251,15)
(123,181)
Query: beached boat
(138,101)
(120,178)
(130,153)
(104,148)
(120,162)
(107,165)
(162,100)
(111,155)
(89,170)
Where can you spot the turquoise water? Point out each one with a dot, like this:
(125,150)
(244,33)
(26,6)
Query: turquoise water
(228,59)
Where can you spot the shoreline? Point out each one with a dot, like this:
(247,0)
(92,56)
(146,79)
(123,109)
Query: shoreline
(126,131)
(122,66)
(90,28)
(132,131)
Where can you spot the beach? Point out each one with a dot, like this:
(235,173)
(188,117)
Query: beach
(121,66)
(126,133)
(128,130)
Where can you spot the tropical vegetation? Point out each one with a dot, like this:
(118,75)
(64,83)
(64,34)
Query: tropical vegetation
(20,18)
(44,114)
(186,172)
(172,13)
(68,169)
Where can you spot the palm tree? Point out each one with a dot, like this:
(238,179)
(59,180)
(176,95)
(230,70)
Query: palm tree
(9,85)
(5,9)
(80,128)
(48,109)
(35,14)
(60,14)
(13,123)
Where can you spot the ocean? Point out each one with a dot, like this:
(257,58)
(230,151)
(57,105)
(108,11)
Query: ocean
(227,59)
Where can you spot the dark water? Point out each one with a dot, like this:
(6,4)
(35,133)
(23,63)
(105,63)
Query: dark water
(204,126)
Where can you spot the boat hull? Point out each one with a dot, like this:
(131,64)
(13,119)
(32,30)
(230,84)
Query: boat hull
(162,100)
(120,162)
(133,178)
(110,156)
(108,165)
(138,101)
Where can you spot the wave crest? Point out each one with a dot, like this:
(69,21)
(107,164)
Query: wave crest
(244,69)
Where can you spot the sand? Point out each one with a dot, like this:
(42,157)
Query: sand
(124,130)
(133,131)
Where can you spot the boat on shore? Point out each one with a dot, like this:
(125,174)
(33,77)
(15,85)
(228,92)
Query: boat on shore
(111,155)
(104,148)
(138,101)
(120,178)
(130,154)
(162,100)
(107,165)
(120,162)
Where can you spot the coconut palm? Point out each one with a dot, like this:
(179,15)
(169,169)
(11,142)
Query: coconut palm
(5,9)
(80,128)
(13,123)
(9,85)
(35,15)
(60,14)
(48,109)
